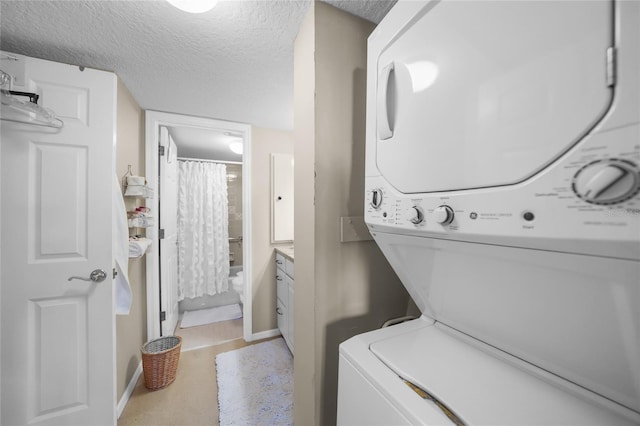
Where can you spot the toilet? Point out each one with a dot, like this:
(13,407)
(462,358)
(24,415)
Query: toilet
(238,285)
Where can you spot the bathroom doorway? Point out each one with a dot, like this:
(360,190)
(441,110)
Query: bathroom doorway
(200,152)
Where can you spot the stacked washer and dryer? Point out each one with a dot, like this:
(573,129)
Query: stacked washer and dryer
(502,184)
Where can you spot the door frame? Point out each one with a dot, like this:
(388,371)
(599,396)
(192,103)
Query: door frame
(153,121)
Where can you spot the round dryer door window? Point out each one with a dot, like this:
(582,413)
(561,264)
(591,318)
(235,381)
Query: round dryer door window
(483,93)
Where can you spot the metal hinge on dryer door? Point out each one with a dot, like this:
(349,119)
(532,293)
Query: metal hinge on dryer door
(161,234)
(611,66)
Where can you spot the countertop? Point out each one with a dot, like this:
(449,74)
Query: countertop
(286,252)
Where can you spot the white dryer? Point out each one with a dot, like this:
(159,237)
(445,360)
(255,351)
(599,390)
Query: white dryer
(502,184)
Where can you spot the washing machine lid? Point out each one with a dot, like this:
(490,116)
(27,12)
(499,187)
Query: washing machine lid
(575,316)
(479,388)
(485,93)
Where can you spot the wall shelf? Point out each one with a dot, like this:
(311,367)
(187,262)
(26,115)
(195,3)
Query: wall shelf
(140,221)
(138,191)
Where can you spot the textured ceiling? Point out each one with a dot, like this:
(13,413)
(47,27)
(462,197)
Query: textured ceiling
(232,63)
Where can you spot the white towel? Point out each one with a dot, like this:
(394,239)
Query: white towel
(138,247)
(136,180)
(121,251)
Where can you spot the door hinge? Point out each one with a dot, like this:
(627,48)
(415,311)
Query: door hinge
(115,273)
(161,234)
(163,316)
(611,66)
(161,151)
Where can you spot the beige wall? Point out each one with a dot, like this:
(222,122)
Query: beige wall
(304,368)
(350,287)
(263,143)
(131,330)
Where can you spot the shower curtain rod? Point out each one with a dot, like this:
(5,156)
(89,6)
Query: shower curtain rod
(202,160)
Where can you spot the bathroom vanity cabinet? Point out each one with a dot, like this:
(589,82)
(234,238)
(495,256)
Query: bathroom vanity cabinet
(284,291)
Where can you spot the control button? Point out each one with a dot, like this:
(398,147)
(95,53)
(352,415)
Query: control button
(376,198)
(607,181)
(443,215)
(528,216)
(415,215)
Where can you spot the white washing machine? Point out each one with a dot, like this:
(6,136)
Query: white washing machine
(502,184)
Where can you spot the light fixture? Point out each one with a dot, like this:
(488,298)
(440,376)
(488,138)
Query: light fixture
(236,147)
(194,6)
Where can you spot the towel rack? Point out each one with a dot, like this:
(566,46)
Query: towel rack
(28,112)
(236,239)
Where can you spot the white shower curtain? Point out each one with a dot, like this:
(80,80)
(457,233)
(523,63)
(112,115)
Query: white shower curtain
(203,229)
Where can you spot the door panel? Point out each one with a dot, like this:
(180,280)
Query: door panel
(488,93)
(290,311)
(58,366)
(72,103)
(58,228)
(58,341)
(169,222)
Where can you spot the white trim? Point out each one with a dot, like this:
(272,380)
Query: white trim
(153,121)
(247,259)
(264,335)
(128,391)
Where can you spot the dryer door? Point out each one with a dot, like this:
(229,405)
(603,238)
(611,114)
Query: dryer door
(480,93)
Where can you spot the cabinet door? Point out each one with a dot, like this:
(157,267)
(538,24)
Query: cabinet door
(288,267)
(290,312)
(281,286)
(281,313)
(281,197)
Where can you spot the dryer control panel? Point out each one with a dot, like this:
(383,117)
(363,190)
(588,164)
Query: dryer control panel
(587,202)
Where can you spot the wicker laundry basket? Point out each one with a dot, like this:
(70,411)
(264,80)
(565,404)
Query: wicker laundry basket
(160,361)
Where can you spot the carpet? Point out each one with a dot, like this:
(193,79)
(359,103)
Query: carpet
(255,385)
(208,316)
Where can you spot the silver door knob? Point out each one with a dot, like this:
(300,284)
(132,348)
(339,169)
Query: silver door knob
(97,276)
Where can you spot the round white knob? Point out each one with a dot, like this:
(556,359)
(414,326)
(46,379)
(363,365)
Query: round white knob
(376,198)
(443,215)
(607,181)
(415,215)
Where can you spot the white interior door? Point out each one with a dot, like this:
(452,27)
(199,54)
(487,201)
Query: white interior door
(58,335)
(169,222)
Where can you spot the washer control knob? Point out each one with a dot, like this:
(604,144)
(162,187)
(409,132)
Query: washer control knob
(415,215)
(607,181)
(443,215)
(376,198)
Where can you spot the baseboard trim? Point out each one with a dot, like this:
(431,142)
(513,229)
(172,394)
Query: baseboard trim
(128,391)
(264,334)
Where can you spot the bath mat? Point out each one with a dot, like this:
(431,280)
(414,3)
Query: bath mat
(208,316)
(255,385)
